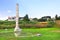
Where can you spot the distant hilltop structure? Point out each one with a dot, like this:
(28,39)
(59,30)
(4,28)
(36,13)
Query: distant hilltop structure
(14,18)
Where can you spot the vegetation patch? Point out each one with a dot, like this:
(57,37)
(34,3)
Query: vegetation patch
(46,34)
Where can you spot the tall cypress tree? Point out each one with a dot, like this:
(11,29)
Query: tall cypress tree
(56,17)
(26,18)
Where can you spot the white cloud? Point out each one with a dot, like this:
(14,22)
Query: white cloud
(9,11)
(2,17)
(4,14)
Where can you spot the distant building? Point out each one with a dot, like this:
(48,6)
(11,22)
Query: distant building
(14,18)
(46,17)
(31,19)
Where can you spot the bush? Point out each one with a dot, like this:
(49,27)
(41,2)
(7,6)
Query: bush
(50,24)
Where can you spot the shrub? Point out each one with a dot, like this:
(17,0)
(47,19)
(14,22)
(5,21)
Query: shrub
(50,24)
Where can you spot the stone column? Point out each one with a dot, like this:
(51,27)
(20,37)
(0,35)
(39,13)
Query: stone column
(17,29)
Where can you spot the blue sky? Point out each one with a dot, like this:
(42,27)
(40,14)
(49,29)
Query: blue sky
(34,8)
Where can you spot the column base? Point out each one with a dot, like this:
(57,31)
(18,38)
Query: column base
(17,29)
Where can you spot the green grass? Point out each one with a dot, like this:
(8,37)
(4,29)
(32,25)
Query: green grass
(46,34)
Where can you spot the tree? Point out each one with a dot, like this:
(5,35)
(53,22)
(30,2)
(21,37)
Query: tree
(26,18)
(56,17)
(35,19)
(42,20)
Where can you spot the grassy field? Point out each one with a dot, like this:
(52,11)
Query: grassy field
(46,34)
